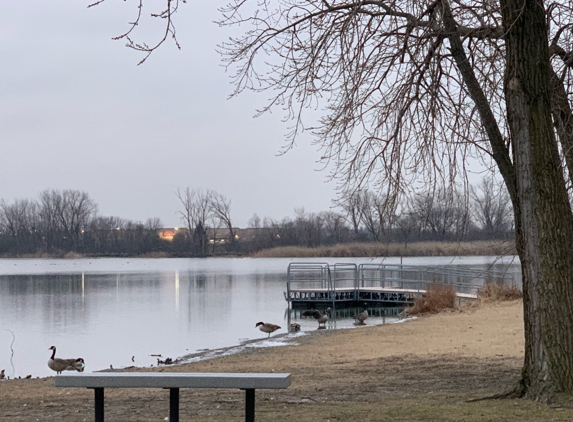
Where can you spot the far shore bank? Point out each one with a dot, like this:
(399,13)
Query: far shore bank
(341,250)
(372,250)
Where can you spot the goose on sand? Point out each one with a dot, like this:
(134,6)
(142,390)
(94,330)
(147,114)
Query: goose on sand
(267,327)
(59,365)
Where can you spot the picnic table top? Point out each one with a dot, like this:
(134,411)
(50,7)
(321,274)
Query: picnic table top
(173,380)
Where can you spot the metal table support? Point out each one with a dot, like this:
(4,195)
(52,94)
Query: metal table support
(250,405)
(98,392)
(173,405)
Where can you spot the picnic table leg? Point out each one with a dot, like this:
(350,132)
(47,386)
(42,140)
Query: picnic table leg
(173,405)
(98,393)
(250,405)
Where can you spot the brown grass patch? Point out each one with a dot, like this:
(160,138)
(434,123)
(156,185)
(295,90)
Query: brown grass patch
(380,249)
(496,292)
(438,297)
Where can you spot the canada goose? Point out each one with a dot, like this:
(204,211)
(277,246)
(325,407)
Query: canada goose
(267,327)
(2,375)
(59,365)
(312,313)
(321,318)
(294,327)
(361,317)
(78,364)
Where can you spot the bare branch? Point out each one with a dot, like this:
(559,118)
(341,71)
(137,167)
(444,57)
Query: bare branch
(171,7)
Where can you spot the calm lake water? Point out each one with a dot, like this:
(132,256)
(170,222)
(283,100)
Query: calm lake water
(110,311)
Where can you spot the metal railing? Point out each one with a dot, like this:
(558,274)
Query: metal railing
(344,282)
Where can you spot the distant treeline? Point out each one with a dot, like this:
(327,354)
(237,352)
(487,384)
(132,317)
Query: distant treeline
(67,221)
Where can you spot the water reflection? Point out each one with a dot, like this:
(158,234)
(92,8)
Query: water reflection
(343,316)
(110,317)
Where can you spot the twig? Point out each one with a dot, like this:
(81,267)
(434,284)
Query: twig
(12,350)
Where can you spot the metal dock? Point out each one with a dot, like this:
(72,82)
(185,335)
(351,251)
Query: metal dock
(319,283)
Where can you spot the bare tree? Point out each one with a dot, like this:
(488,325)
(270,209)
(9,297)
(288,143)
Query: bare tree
(335,228)
(443,213)
(19,221)
(307,228)
(377,212)
(369,214)
(351,204)
(491,208)
(408,223)
(153,224)
(49,223)
(421,82)
(74,209)
(214,225)
(221,208)
(195,213)
(64,216)
(255,221)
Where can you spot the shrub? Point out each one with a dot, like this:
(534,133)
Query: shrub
(496,292)
(437,298)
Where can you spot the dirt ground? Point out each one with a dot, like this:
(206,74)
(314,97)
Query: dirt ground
(423,369)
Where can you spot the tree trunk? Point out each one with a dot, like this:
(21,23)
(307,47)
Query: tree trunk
(544,219)
(562,119)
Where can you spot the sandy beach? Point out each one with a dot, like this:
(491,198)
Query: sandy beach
(425,368)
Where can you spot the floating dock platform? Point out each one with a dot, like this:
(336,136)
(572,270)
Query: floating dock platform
(313,284)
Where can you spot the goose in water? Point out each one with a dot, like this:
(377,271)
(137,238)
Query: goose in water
(59,365)
(267,327)
(361,317)
(321,318)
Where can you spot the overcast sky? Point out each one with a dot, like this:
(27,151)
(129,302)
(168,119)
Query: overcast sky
(78,113)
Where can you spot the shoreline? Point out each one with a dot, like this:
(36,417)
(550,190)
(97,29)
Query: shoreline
(248,346)
(427,369)
(340,250)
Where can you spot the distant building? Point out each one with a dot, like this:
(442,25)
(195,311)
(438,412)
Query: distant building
(220,235)
(167,234)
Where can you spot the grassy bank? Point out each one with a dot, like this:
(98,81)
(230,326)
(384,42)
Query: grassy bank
(355,250)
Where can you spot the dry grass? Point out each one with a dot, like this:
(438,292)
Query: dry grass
(496,292)
(351,250)
(441,297)
(438,298)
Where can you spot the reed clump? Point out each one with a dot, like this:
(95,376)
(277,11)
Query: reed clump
(498,292)
(380,249)
(438,297)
